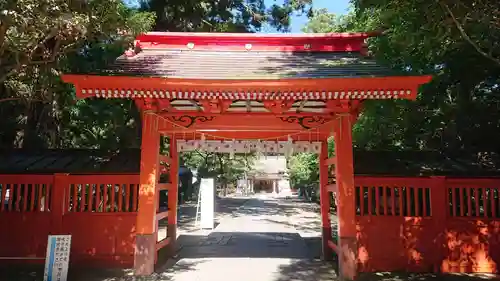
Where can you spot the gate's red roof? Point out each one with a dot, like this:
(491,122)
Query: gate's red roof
(247,56)
(208,64)
(247,66)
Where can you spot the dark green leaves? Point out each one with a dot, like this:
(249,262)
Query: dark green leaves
(222,16)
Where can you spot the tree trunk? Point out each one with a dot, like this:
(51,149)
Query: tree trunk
(31,137)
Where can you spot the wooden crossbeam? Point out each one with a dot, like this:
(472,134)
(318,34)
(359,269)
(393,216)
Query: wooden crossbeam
(331,161)
(161,215)
(165,159)
(164,186)
(333,246)
(162,243)
(332,187)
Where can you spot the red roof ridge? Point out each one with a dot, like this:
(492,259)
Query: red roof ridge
(326,42)
(262,35)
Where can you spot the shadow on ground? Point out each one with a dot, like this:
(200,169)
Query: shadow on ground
(244,245)
(165,272)
(402,276)
(307,270)
(224,206)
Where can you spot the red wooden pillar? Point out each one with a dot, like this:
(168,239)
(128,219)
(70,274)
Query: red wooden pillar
(145,243)
(346,211)
(324,197)
(59,203)
(173,194)
(439,203)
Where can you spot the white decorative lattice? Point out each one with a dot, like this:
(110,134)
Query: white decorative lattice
(156,93)
(248,146)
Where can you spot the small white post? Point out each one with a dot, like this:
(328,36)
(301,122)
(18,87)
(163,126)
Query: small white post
(207,192)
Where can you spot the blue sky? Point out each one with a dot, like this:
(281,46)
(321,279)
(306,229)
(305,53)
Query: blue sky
(334,6)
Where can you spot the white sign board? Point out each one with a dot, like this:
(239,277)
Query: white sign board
(207,192)
(241,186)
(57,259)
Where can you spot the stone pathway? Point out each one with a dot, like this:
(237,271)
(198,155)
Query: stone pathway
(256,242)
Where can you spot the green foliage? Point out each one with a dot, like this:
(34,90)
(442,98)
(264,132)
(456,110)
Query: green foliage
(108,124)
(222,16)
(457,110)
(323,22)
(39,40)
(432,29)
(304,167)
(457,43)
(34,33)
(226,170)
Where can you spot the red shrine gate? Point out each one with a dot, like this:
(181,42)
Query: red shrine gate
(275,92)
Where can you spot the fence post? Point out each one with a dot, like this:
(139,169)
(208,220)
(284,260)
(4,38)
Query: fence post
(439,211)
(58,202)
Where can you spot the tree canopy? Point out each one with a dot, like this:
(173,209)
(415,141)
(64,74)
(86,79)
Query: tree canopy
(457,43)
(223,16)
(451,41)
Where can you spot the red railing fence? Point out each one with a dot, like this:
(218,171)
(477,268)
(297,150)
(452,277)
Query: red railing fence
(428,224)
(99,211)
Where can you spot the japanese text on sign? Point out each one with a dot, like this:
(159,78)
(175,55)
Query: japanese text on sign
(57,259)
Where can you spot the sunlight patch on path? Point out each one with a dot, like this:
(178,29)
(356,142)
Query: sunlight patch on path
(240,269)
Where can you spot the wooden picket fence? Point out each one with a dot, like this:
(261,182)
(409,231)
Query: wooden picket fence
(99,211)
(433,224)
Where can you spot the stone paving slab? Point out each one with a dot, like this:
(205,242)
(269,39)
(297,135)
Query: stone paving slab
(253,243)
(247,245)
(250,269)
